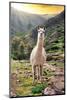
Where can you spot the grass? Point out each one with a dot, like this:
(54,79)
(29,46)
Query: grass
(57,63)
(38,88)
(25,86)
(47,73)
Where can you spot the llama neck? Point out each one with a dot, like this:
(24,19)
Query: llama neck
(39,44)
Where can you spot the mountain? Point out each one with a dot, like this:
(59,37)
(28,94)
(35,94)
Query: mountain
(54,35)
(48,16)
(50,23)
(25,25)
(55,20)
(22,22)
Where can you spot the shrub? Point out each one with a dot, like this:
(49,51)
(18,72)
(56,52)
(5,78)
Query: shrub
(38,88)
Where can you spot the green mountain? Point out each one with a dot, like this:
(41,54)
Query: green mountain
(24,33)
(22,22)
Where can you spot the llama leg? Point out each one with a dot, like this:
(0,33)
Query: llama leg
(34,72)
(40,72)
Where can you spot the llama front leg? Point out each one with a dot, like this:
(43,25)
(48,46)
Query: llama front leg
(38,71)
(34,72)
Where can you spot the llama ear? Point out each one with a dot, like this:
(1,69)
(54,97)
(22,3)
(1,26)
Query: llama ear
(38,27)
(45,28)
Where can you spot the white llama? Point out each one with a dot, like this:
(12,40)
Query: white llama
(38,56)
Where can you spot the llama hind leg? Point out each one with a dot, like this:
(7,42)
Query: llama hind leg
(40,73)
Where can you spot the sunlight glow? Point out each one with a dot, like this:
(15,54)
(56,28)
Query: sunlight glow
(38,8)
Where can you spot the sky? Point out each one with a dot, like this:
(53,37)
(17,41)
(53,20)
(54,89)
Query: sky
(38,8)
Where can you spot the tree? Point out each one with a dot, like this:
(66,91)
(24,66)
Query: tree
(21,51)
(17,50)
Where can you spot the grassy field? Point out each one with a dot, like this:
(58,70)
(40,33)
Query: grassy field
(22,83)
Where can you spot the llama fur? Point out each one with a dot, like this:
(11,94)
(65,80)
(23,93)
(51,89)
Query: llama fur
(38,56)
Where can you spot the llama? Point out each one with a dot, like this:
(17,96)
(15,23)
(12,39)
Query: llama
(38,56)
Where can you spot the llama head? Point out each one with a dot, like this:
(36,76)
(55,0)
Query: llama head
(41,32)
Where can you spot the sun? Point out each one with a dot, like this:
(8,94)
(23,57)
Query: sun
(38,8)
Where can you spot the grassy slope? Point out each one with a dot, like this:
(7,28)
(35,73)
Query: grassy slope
(55,38)
(24,75)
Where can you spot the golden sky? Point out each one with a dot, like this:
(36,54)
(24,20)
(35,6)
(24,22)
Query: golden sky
(38,8)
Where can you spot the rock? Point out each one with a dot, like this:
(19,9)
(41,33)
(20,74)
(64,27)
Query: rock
(20,72)
(54,56)
(49,91)
(49,67)
(27,74)
(13,84)
(59,72)
(13,76)
(26,68)
(30,75)
(13,80)
(18,81)
(12,94)
(59,85)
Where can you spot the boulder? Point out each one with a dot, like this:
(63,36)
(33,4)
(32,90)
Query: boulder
(49,91)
